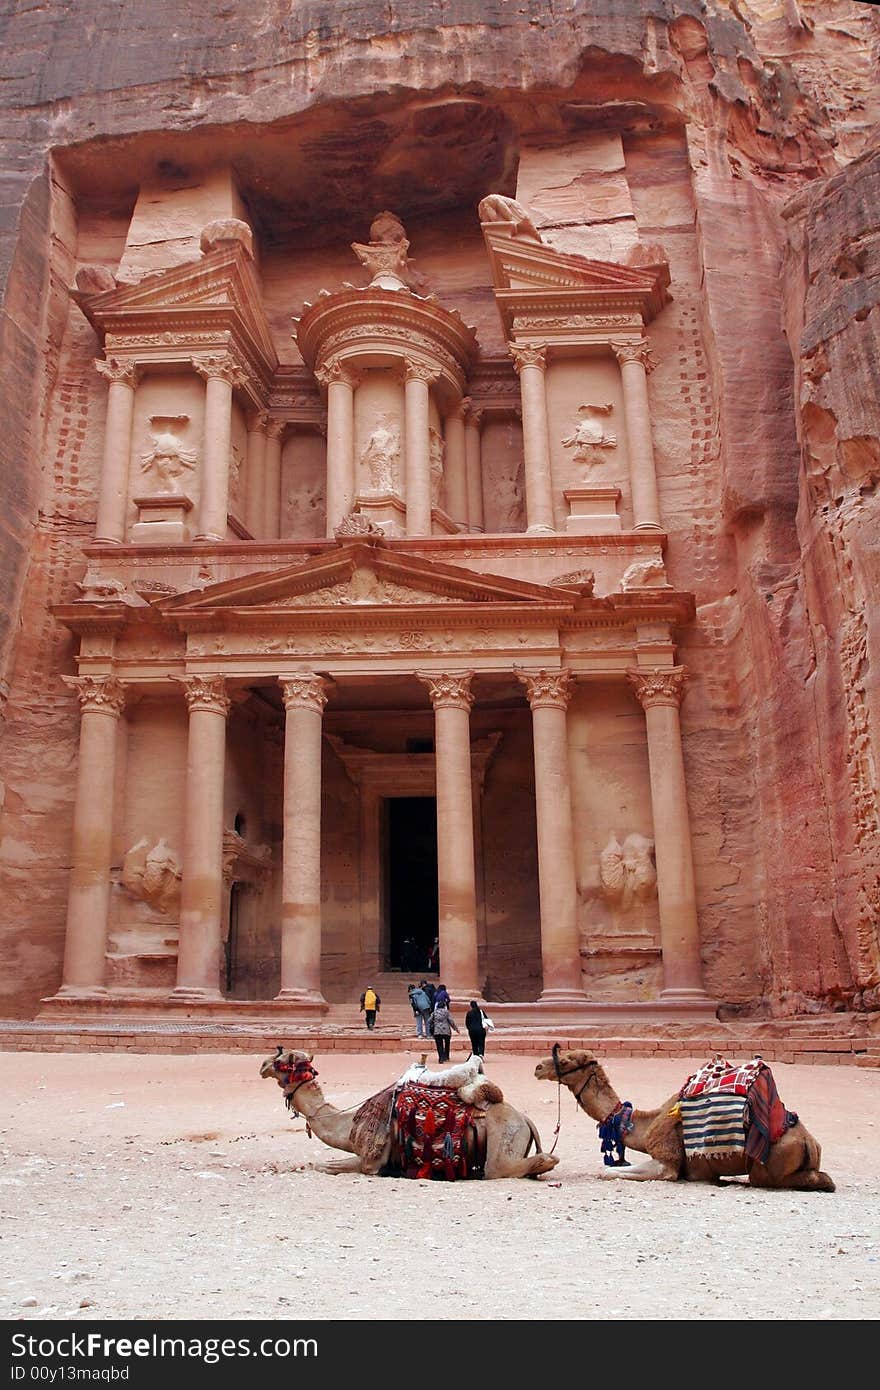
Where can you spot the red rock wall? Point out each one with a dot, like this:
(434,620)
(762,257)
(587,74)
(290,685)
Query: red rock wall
(767,446)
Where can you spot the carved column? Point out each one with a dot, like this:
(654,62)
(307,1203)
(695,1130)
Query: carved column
(472,422)
(418,449)
(531,363)
(549,693)
(220,376)
(304,699)
(635,363)
(102,700)
(113,494)
(256,464)
(456,465)
(660,693)
(340,383)
(272,479)
(452,698)
(201,903)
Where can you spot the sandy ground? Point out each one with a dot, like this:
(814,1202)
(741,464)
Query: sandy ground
(169,1187)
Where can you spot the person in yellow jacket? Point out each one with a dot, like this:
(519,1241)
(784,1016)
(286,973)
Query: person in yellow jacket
(370,1005)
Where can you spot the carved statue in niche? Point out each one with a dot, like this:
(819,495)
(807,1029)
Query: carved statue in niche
(589,436)
(437,451)
(152,875)
(382,453)
(497,208)
(235,466)
(167,453)
(305,501)
(386,256)
(645,574)
(627,874)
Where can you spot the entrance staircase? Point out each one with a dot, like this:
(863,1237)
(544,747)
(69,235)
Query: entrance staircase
(396,1013)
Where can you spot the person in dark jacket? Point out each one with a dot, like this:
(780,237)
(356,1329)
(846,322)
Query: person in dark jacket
(441,996)
(430,989)
(443,1025)
(475,1024)
(370,1004)
(422,1008)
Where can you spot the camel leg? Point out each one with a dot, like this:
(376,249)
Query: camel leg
(349,1164)
(531,1167)
(808,1180)
(652,1171)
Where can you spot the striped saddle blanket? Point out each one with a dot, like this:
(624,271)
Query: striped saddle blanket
(727,1111)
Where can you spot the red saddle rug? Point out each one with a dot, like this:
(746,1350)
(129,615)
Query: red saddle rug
(432,1133)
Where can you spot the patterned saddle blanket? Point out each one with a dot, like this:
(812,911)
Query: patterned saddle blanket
(728,1111)
(432,1135)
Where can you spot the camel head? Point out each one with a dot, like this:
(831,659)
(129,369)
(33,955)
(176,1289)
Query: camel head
(568,1064)
(289,1068)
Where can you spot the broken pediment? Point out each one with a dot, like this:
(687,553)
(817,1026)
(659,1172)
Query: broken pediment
(218,291)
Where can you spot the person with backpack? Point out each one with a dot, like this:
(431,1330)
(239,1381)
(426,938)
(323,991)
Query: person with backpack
(370,1004)
(421,1007)
(430,989)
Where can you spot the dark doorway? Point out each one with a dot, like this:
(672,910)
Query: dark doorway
(411,881)
(232,945)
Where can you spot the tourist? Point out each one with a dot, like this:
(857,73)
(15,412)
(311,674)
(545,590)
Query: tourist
(441,996)
(443,1025)
(477,1024)
(370,1004)
(422,1008)
(434,957)
(430,989)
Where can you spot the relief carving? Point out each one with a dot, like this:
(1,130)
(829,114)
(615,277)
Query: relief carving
(589,437)
(152,875)
(386,256)
(576,579)
(437,450)
(627,873)
(354,523)
(381,455)
(167,452)
(497,208)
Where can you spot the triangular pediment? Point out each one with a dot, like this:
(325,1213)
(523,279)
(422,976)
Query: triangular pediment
(222,280)
(360,575)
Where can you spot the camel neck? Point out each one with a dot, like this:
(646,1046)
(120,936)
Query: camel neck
(600,1100)
(331,1125)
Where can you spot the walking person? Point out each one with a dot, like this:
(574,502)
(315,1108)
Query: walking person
(443,1025)
(370,1005)
(430,989)
(477,1024)
(422,1009)
(441,996)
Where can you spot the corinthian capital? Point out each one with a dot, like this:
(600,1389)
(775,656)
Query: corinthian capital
(205,693)
(547,687)
(333,370)
(98,694)
(275,429)
(306,691)
(257,421)
(626,350)
(419,371)
(660,686)
(118,369)
(449,691)
(528,357)
(219,365)
(473,414)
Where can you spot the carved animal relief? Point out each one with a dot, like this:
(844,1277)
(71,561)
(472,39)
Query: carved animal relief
(167,454)
(589,437)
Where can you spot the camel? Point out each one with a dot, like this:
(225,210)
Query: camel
(793,1162)
(506,1134)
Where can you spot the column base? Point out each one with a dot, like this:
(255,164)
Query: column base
(687,995)
(197,994)
(313,997)
(80,992)
(648,526)
(562,996)
(107,540)
(208,539)
(540,531)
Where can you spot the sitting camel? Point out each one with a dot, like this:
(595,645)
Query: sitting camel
(793,1162)
(504,1134)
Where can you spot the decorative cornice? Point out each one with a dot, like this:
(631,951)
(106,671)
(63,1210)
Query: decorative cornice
(419,371)
(118,369)
(448,691)
(205,693)
(547,688)
(660,686)
(336,370)
(627,351)
(98,694)
(528,357)
(306,691)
